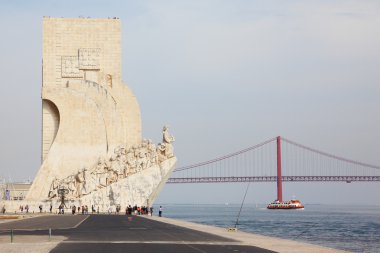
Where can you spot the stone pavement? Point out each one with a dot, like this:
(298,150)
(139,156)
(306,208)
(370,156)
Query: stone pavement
(119,233)
(45,222)
(266,242)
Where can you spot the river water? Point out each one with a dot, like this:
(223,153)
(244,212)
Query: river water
(351,228)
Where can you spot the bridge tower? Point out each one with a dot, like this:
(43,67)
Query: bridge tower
(279,176)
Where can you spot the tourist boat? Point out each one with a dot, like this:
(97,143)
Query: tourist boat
(291,204)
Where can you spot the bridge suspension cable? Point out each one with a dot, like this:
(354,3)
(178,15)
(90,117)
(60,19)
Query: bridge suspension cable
(224,157)
(258,164)
(330,155)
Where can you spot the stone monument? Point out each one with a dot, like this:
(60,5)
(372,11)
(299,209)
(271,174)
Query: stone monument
(91,124)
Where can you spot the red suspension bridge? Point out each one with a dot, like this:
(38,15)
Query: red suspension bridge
(277,160)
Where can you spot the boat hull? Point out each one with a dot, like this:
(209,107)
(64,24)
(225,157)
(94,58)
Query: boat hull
(292,204)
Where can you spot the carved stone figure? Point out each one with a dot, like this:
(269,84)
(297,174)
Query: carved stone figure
(121,164)
(142,160)
(101,173)
(118,167)
(161,148)
(91,181)
(118,161)
(111,176)
(53,188)
(152,151)
(70,184)
(131,161)
(167,139)
(81,183)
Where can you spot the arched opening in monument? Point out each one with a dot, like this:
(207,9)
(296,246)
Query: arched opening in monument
(50,125)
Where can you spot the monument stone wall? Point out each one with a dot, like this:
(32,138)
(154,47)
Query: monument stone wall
(91,124)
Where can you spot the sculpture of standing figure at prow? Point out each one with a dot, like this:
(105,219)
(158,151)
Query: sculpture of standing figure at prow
(167,140)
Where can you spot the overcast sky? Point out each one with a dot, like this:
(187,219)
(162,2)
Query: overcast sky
(224,75)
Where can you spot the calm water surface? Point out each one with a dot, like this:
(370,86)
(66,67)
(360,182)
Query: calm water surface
(352,228)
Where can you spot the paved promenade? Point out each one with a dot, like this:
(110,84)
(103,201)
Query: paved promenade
(111,233)
(45,222)
(118,233)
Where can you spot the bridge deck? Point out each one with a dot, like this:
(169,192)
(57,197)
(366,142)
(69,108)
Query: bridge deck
(348,179)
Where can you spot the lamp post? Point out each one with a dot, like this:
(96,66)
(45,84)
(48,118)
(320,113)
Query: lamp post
(62,192)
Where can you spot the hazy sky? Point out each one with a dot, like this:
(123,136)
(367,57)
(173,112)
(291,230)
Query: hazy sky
(224,75)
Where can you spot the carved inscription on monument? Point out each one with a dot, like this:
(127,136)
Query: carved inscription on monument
(89,58)
(70,68)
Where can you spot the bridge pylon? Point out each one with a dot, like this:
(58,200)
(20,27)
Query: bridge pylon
(279,176)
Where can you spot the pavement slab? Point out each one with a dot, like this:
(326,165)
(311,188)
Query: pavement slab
(121,233)
(244,238)
(45,222)
(153,247)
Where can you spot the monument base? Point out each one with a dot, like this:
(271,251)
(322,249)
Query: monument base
(139,189)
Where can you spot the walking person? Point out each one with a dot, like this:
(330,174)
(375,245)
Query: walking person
(160,211)
(151,211)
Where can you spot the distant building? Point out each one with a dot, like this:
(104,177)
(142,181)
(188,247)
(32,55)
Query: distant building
(14,191)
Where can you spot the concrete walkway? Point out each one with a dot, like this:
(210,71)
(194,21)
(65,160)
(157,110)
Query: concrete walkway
(45,222)
(119,233)
(266,242)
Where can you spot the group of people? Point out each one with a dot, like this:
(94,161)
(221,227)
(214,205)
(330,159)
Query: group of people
(142,210)
(83,208)
(129,210)
(22,208)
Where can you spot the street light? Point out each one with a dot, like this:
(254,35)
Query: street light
(62,192)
